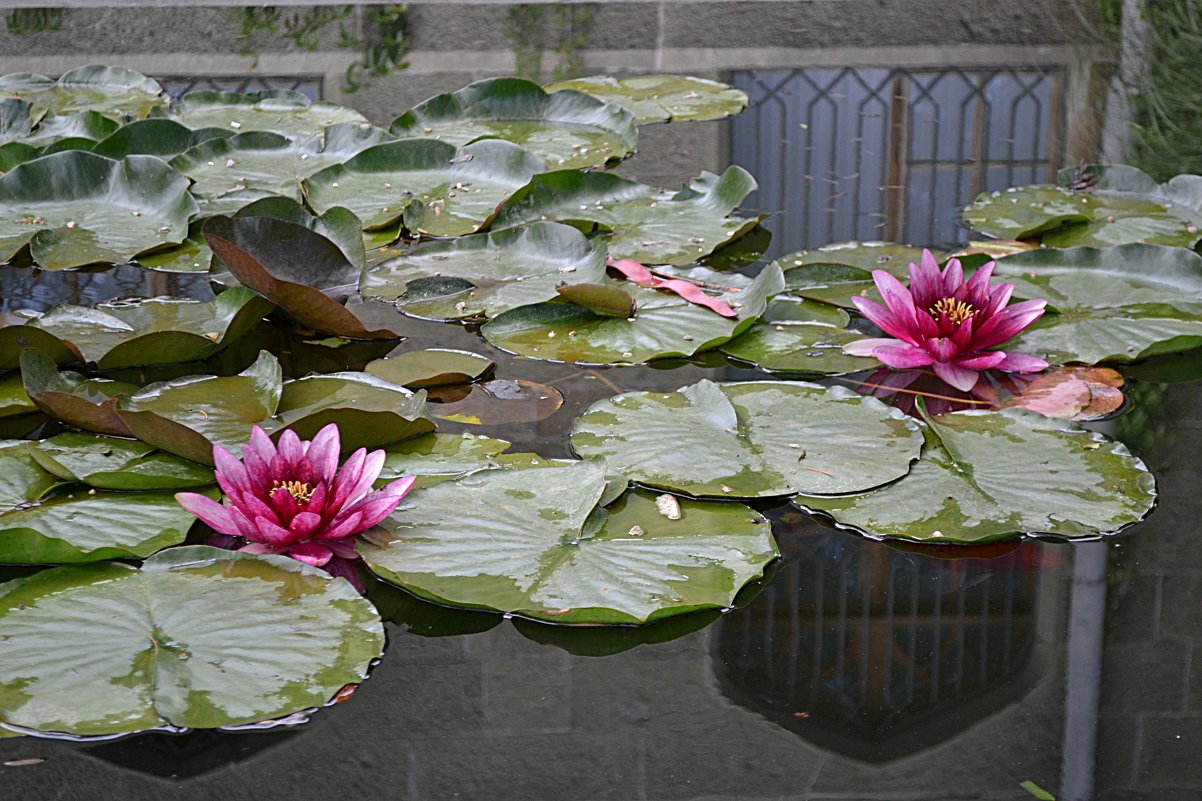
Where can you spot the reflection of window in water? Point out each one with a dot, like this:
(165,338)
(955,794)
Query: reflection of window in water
(179,85)
(892,154)
(877,653)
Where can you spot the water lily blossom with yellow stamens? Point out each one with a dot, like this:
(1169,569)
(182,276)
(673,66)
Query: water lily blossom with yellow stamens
(947,323)
(294,500)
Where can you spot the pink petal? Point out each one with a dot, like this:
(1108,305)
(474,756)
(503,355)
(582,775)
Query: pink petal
(635,271)
(981,361)
(977,288)
(399,488)
(884,319)
(231,474)
(258,470)
(304,524)
(926,284)
(261,445)
(372,464)
(263,548)
(693,294)
(323,453)
(902,356)
(346,479)
(271,532)
(1007,323)
(1021,363)
(214,515)
(867,347)
(374,508)
(317,501)
(898,300)
(960,378)
(343,548)
(943,349)
(311,553)
(289,455)
(346,569)
(999,296)
(953,277)
(351,524)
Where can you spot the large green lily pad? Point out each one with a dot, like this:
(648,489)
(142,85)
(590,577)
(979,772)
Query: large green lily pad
(1182,195)
(997,475)
(113,91)
(432,187)
(188,416)
(432,367)
(799,347)
(554,555)
(369,410)
(77,208)
(155,331)
(296,267)
(835,273)
(1112,304)
(662,98)
(664,325)
(484,275)
(116,464)
(155,137)
(751,440)
(195,638)
(567,130)
(16,335)
(78,131)
(1060,217)
(40,524)
(645,224)
(227,173)
(284,112)
(441,456)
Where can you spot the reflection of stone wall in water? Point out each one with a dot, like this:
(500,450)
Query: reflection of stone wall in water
(875,653)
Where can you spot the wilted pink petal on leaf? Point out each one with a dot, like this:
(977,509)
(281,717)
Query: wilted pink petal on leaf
(292,498)
(946,322)
(640,275)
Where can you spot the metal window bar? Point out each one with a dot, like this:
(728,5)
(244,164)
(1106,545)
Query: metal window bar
(313,86)
(877,153)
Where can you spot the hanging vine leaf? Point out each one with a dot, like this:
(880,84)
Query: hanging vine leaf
(662,98)
(664,324)
(557,556)
(484,275)
(567,130)
(1113,304)
(294,267)
(432,187)
(751,440)
(645,224)
(163,641)
(998,475)
(76,208)
(284,112)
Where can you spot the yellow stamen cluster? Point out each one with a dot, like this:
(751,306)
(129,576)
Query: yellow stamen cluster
(299,490)
(957,311)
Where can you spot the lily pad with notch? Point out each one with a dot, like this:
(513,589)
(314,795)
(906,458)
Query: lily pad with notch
(431,367)
(648,225)
(662,98)
(294,638)
(368,410)
(487,274)
(556,556)
(988,476)
(432,187)
(76,208)
(750,440)
(664,325)
(565,129)
(79,401)
(113,463)
(284,112)
(1110,304)
(113,91)
(834,273)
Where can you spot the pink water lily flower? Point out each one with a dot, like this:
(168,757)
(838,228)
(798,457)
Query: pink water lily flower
(947,323)
(294,500)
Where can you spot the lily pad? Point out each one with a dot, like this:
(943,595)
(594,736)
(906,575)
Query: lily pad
(1060,217)
(645,224)
(77,208)
(835,273)
(164,640)
(284,112)
(664,324)
(998,475)
(40,524)
(14,400)
(86,403)
(1182,194)
(228,173)
(369,410)
(188,416)
(751,440)
(556,556)
(567,130)
(116,464)
(441,455)
(432,187)
(1113,304)
(78,131)
(799,347)
(662,98)
(155,137)
(487,274)
(16,335)
(16,119)
(434,367)
(130,333)
(112,91)
(297,268)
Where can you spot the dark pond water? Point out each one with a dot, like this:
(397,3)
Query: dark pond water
(857,671)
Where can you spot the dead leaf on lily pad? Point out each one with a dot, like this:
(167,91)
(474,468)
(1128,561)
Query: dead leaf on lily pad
(1070,392)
